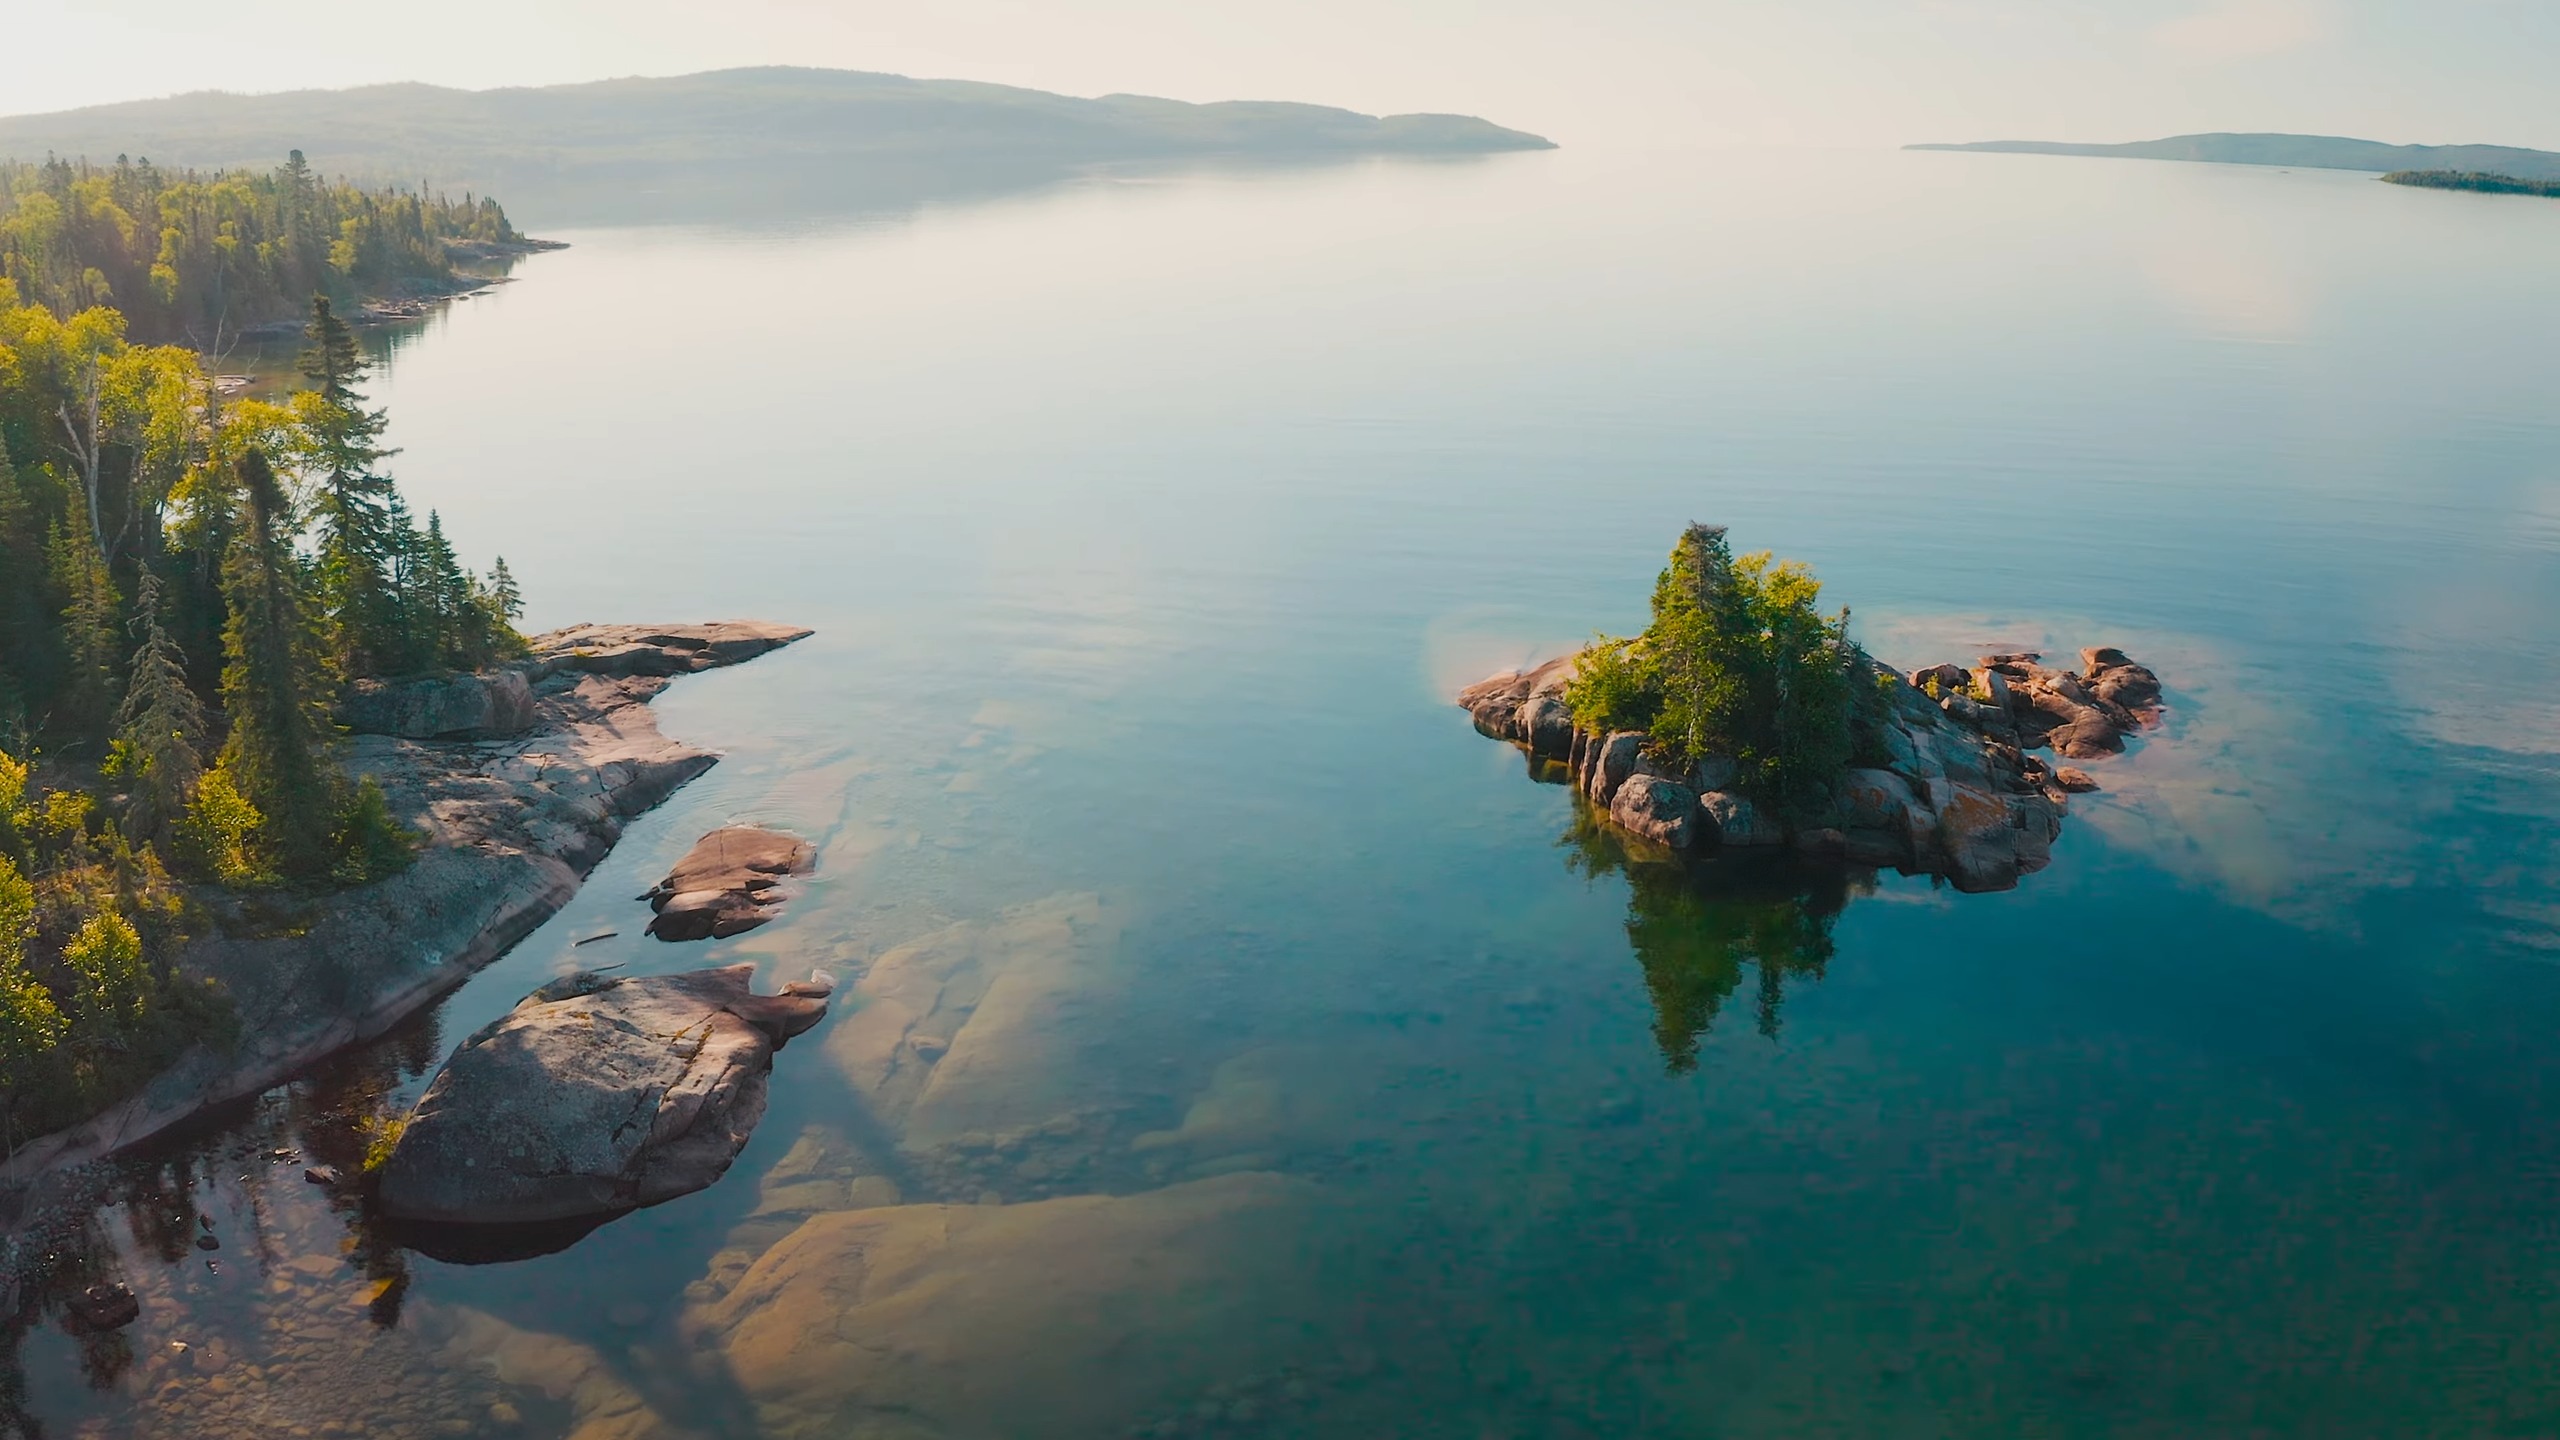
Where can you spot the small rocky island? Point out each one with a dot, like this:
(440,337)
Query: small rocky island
(1745,718)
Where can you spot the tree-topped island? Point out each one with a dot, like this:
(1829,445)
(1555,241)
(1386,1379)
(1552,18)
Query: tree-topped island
(1745,717)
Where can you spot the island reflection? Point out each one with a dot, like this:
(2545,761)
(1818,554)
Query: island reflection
(1697,924)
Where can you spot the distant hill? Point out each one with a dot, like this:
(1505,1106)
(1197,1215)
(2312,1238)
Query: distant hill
(2302,152)
(530,142)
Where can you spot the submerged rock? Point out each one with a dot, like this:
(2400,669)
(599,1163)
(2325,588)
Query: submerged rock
(1083,1315)
(728,883)
(593,1096)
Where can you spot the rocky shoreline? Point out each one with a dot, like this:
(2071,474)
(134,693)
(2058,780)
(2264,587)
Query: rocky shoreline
(1958,796)
(519,779)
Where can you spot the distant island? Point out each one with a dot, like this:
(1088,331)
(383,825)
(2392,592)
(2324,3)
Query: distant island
(2304,152)
(536,141)
(2485,182)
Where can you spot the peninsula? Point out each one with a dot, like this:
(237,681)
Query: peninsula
(1744,718)
(2300,152)
(707,128)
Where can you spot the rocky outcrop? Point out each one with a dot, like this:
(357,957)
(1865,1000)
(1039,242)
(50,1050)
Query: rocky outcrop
(1957,795)
(728,884)
(450,707)
(509,827)
(595,1095)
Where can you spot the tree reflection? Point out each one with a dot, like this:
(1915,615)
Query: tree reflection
(1697,924)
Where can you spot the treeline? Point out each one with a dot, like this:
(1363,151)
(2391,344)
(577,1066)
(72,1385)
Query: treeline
(2480,180)
(185,585)
(200,257)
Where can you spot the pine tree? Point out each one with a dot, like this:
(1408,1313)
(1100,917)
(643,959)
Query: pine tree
(503,592)
(30,1023)
(159,725)
(88,623)
(270,680)
(448,595)
(356,538)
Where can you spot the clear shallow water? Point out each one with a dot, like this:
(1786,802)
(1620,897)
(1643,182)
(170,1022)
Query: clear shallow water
(1148,524)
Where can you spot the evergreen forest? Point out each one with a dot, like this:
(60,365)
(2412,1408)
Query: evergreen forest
(188,581)
(200,257)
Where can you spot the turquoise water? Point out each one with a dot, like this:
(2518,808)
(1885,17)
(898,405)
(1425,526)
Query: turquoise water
(1148,524)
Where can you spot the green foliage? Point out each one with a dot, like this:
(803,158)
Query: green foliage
(204,255)
(1739,661)
(368,842)
(158,727)
(2486,182)
(221,833)
(105,960)
(269,682)
(1612,689)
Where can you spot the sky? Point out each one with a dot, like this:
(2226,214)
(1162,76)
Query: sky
(1675,72)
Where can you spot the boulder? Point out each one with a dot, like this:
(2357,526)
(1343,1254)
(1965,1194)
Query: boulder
(1737,821)
(1875,800)
(595,1095)
(1545,726)
(2074,779)
(2086,737)
(1714,772)
(486,706)
(1663,811)
(728,883)
(1992,686)
(1613,761)
(1949,679)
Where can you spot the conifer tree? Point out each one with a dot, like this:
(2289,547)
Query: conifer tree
(270,680)
(448,598)
(503,594)
(30,1023)
(88,621)
(160,724)
(356,538)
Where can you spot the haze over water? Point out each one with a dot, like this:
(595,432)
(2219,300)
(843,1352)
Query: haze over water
(1149,523)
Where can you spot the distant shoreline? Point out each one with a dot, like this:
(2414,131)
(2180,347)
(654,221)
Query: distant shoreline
(2299,152)
(2482,182)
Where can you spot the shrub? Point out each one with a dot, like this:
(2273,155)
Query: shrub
(220,832)
(368,842)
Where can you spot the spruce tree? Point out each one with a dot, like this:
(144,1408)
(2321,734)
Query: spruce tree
(353,508)
(271,678)
(503,594)
(448,598)
(88,624)
(160,724)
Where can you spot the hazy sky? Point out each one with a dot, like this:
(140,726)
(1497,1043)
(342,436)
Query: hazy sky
(1817,72)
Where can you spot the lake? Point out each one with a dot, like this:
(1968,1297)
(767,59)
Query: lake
(1243,1046)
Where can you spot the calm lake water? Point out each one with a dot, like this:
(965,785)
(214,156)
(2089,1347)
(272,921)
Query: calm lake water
(1148,524)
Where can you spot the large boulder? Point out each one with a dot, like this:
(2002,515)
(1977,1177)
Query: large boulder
(1613,760)
(486,706)
(1738,822)
(729,883)
(595,1095)
(1546,726)
(1663,811)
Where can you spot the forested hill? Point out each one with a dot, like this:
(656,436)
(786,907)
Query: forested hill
(502,139)
(2304,152)
(198,257)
